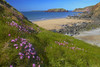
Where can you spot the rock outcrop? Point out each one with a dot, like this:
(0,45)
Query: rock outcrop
(86,9)
(95,12)
(57,10)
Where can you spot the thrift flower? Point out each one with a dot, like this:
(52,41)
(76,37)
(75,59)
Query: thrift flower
(38,65)
(16,47)
(21,44)
(11,65)
(33,56)
(21,57)
(28,57)
(33,65)
(16,39)
(12,40)
(20,53)
(9,35)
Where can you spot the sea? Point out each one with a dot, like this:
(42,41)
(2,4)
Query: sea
(40,15)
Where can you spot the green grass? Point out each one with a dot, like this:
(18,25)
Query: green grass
(51,53)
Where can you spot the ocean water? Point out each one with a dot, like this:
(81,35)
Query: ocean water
(37,16)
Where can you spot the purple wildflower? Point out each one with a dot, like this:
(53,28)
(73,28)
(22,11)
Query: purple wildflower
(33,56)
(72,48)
(24,42)
(29,50)
(11,65)
(16,39)
(12,40)
(25,46)
(20,53)
(32,48)
(21,44)
(9,35)
(21,57)
(27,54)
(33,53)
(28,57)
(16,47)
(33,65)
(38,65)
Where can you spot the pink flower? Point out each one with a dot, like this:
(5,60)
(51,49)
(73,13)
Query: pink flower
(9,35)
(32,53)
(16,47)
(33,56)
(28,57)
(38,65)
(73,48)
(24,42)
(32,48)
(16,39)
(25,46)
(11,65)
(20,53)
(33,65)
(21,44)
(12,40)
(21,57)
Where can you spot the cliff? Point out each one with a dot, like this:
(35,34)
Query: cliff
(91,11)
(57,10)
(95,12)
(86,9)
(24,44)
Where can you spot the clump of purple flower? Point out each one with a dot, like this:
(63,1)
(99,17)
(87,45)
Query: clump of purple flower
(70,46)
(22,27)
(28,50)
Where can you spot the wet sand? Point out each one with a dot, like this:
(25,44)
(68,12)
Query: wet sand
(57,23)
(92,37)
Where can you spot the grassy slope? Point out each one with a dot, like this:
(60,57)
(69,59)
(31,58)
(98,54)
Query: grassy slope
(52,54)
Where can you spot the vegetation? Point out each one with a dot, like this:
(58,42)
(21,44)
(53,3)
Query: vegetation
(93,11)
(86,9)
(57,10)
(18,36)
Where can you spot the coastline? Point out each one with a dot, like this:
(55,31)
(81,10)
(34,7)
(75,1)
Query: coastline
(59,23)
(92,36)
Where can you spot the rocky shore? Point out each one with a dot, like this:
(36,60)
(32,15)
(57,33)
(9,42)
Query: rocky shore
(76,28)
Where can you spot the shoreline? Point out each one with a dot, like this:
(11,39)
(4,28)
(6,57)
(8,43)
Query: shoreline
(45,19)
(56,24)
(71,26)
(92,36)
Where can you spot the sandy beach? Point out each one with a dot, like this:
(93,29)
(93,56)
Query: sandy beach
(92,37)
(57,23)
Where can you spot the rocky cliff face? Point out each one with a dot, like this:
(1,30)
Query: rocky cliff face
(95,12)
(86,9)
(91,11)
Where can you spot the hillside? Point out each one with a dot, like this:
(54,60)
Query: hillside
(23,44)
(95,12)
(57,10)
(86,9)
(91,11)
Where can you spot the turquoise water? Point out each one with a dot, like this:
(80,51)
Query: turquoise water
(36,16)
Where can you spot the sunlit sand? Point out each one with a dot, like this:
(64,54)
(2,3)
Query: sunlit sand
(57,23)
